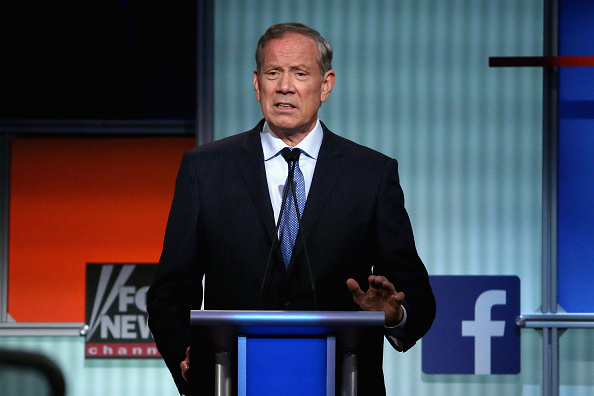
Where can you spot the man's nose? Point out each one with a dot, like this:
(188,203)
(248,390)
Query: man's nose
(285,83)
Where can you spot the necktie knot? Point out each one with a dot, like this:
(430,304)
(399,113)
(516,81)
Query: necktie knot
(291,154)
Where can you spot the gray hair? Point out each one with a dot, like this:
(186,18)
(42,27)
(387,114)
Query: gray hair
(280,30)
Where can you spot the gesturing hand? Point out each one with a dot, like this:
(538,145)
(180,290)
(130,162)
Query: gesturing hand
(185,366)
(381,296)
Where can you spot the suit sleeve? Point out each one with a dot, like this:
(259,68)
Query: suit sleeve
(399,260)
(177,287)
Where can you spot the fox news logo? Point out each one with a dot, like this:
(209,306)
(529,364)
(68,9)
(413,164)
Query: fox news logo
(116,311)
(474,331)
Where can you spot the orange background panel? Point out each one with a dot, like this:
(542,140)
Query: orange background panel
(80,200)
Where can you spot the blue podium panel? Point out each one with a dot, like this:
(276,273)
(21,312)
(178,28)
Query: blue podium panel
(283,366)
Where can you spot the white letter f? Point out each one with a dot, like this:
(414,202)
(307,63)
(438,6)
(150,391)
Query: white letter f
(482,328)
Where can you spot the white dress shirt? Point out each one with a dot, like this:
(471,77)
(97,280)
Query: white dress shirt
(277,169)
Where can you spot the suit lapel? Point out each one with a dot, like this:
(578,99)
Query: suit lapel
(250,163)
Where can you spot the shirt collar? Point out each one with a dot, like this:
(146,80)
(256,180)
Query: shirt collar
(272,144)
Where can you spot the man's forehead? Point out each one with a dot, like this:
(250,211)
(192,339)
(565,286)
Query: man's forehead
(296,48)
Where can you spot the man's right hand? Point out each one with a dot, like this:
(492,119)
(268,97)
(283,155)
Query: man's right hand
(185,366)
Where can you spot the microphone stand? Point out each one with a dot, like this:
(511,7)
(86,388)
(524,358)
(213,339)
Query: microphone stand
(291,156)
(280,215)
(311,281)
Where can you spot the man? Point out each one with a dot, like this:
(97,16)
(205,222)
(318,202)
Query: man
(354,231)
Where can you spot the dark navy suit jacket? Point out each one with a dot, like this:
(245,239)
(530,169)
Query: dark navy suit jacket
(221,225)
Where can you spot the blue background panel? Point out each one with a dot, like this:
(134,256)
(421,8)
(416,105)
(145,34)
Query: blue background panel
(575,167)
(576,215)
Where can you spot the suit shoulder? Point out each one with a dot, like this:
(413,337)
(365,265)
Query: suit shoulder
(223,147)
(357,151)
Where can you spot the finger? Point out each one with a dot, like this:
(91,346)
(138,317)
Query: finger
(184,366)
(396,300)
(353,286)
(388,287)
(186,375)
(381,282)
(382,285)
(376,281)
(355,290)
(185,370)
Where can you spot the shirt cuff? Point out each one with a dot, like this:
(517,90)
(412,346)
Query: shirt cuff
(397,331)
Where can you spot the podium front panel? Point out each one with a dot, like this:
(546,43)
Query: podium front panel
(286,366)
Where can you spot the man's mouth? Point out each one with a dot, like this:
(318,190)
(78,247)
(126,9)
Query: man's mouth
(284,106)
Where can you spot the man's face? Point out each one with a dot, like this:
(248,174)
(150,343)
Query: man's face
(289,87)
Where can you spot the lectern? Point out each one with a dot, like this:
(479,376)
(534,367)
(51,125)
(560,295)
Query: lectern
(279,352)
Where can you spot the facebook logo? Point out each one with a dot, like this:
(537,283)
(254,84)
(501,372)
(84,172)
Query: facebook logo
(474,330)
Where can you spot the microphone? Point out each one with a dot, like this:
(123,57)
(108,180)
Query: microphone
(292,156)
(286,153)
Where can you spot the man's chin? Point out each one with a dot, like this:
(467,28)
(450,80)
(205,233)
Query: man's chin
(289,129)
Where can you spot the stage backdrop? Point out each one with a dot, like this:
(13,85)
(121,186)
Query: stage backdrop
(413,82)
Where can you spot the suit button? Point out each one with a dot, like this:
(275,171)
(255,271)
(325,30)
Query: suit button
(286,302)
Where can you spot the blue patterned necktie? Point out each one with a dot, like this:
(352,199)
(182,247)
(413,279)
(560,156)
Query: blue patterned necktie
(289,225)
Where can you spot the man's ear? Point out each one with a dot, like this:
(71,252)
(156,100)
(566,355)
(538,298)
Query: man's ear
(256,85)
(327,84)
